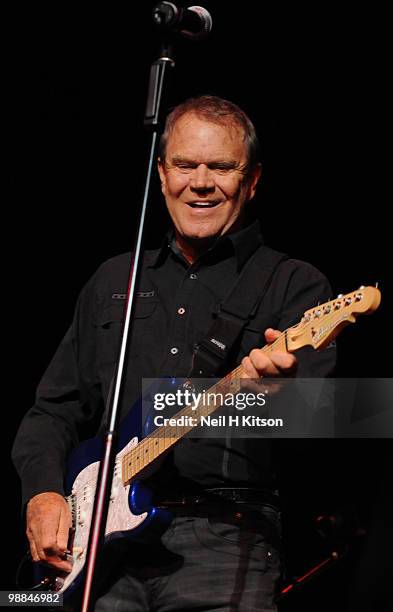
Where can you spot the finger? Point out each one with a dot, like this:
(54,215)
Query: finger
(48,557)
(277,363)
(51,554)
(48,531)
(50,551)
(285,363)
(271,335)
(33,548)
(64,529)
(248,369)
(262,364)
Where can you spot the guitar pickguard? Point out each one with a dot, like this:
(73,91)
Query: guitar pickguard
(120,518)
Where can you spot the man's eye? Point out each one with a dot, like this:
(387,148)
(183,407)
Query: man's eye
(185,166)
(222,168)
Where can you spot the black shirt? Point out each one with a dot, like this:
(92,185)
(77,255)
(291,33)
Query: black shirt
(176,304)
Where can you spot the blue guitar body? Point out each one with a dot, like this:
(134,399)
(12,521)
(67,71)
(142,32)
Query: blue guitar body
(131,510)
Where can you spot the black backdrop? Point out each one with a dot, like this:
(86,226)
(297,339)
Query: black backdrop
(316,82)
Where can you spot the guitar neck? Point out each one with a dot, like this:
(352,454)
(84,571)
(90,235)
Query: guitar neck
(319,326)
(164,438)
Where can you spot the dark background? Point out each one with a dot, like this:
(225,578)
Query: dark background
(316,82)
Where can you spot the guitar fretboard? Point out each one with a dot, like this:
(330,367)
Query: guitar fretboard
(163,438)
(318,326)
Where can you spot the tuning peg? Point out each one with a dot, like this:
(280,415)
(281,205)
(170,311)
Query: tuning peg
(376,284)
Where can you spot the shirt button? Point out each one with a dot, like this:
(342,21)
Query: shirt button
(174,350)
(193,276)
(181,311)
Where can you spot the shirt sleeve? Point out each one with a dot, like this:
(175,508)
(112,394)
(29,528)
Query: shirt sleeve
(68,398)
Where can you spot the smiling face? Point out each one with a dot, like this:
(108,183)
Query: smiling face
(205,180)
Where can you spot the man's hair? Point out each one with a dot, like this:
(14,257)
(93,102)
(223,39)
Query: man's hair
(217,110)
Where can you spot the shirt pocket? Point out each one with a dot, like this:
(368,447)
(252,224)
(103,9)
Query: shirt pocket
(115,313)
(110,325)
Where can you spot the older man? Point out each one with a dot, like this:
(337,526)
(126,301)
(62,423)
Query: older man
(212,557)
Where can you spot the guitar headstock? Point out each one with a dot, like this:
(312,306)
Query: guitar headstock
(320,325)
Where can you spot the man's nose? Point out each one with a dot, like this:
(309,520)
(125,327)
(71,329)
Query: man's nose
(202,178)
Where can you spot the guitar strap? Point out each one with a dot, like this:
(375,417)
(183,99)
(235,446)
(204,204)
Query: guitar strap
(235,311)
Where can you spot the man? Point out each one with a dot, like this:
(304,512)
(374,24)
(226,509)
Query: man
(209,171)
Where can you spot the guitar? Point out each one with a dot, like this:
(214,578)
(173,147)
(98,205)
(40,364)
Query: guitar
(130,506)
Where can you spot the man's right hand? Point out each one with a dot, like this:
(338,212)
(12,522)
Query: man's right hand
(48,520)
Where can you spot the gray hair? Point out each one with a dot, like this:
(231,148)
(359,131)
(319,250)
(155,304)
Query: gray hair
(216,110)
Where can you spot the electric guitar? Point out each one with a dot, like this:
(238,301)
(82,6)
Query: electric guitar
(130,506)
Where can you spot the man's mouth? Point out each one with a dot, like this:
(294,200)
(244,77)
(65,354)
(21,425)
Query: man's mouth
(204,204)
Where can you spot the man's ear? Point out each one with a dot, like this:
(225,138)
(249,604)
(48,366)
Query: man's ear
(161,172)
(255,175)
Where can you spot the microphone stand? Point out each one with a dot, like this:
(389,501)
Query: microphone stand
(158,73)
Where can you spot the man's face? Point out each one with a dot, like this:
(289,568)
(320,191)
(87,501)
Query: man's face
(205,179)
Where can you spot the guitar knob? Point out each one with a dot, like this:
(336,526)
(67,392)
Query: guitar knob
(340,295)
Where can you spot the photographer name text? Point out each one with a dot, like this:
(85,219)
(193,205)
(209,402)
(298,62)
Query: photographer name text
(238,420)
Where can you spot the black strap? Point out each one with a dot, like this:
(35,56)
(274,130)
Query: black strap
(239,306)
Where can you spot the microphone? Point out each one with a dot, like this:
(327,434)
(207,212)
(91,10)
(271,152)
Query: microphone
(193,22)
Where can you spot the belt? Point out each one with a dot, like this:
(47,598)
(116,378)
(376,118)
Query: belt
(223,495)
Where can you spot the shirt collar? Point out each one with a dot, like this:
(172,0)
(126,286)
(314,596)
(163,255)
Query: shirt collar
(243,243)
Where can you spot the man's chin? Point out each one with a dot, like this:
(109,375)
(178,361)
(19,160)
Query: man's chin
(201,241)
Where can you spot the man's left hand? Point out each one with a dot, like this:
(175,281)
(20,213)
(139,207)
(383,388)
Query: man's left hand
(260,364)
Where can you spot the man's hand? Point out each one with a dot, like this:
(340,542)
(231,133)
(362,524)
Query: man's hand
(267,365)
(48,521)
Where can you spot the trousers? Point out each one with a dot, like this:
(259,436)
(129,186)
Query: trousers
(204,563)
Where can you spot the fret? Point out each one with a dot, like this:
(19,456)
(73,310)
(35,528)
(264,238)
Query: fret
(145,454)
(162,441)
